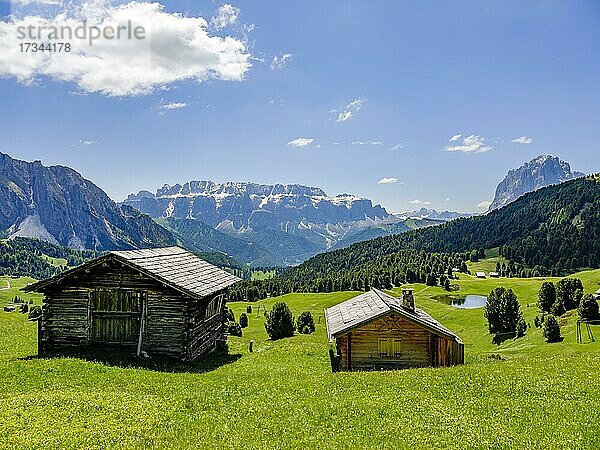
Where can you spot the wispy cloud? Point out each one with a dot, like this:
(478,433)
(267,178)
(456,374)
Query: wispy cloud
(38,2)
(455,138)
(301,142)
(171,106)
(226,15)
(522,140)
(180,48)
(420,202)
(396,147)
(484,204)
(349,110)
(87,142)
(388,180)
(279,62)
(367,143)
(469,144)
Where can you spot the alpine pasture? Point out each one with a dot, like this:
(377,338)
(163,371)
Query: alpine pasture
(520,393)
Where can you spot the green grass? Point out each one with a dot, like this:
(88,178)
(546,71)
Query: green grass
(262,275)
(7,295)
(486,265)
(56,262)
(284,395)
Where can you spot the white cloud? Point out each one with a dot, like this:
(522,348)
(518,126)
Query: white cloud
(87,142)
(301,142)
(470,144)
(349,110)
(174,48)
(226,15)
(171,106)
(36,2)
(396,147)
(455,138)
(447,199)
(367,143)
(420,202)
(388,180)
(484,204)
(522,140)
(279,62)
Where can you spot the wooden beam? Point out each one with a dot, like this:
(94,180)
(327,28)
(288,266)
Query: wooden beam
(350,351)
(142,324)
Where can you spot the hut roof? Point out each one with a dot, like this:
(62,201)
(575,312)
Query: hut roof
(172,266)
(364,308)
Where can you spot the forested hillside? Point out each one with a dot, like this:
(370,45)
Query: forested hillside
(38,259)
(555,228)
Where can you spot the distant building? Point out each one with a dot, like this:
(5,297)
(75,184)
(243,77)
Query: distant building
(377,331)
(480,274)
(164,301)
(455,269)
(494,274)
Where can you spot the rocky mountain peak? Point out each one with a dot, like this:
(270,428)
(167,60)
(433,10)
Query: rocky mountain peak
(544,170)
(58,205)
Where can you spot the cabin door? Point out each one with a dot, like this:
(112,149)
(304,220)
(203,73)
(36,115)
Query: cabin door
(116,316)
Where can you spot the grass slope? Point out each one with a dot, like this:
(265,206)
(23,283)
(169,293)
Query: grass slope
(284,395)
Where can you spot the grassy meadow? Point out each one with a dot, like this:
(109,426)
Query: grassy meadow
(522,393)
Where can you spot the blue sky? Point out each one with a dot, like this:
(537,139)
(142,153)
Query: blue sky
(375,91)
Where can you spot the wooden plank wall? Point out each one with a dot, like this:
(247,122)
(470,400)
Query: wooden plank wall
(203,334)
(67,317)
(418,347)
(165,322)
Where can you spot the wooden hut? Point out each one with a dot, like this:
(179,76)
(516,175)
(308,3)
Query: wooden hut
(159,301)
(377,331)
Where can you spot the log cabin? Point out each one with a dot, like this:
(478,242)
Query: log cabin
(158,301)
(376,331)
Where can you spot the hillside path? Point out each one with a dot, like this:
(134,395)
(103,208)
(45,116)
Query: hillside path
(8,286)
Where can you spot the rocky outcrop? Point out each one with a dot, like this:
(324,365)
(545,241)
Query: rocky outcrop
(545,170)
(58,205)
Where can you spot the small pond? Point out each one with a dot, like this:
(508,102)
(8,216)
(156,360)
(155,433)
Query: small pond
(469,302)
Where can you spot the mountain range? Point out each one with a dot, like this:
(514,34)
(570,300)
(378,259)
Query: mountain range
(545,170)
(267,224)
(56,204)
(257,224)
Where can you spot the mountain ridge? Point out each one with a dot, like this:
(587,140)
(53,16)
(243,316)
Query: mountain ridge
(542,171)
(56,204)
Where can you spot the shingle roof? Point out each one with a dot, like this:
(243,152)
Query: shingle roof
(371,305)
(173,266)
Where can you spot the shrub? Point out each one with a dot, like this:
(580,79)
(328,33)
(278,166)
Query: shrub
(230,316)
(588,308)
(521,327)
(551,329)
(306,324)
(24,308)
(502,311)
(538,320)
(280,322)
(249,309)
(35,312)
(234,329)
(547,296)
(243,320)
(569,292)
